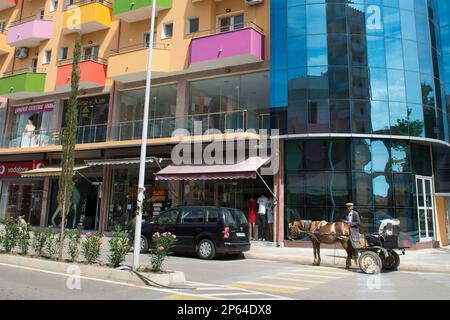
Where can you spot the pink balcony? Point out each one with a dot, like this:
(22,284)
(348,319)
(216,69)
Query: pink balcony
(228,48)
(6,4)
(29,32)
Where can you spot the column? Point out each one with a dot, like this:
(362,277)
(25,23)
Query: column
(45,202)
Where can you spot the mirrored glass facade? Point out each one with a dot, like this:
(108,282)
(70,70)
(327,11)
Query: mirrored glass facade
(372,74)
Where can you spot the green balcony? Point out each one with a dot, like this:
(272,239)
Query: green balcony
(22,85)
(138,10)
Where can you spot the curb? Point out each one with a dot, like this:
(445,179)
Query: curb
(326,262)
(176,278)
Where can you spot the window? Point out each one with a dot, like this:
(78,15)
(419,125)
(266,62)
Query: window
(212,215)
(193,25)
(63,53)
(91,53)
(47,56)
(230,23)
(193,216)
(168,217)
(2,26)
(53,5)
(167,30)
(40,14)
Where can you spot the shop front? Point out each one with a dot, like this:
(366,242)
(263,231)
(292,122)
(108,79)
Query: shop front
(29,125)
(19,196)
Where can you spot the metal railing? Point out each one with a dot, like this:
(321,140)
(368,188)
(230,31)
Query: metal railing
(30,18)
(84,59)
(140,46)
(85,2)
(240,120)
(225,122)
(22,71)
(228,28)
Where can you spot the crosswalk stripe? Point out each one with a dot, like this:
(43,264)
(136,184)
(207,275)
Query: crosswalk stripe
(295,280)
(301,274)
(325,272)
(287,283)
(261,287)
(214,288)
(272,285)
(232,294)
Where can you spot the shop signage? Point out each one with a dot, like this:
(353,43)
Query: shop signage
(34,108)
(14,169)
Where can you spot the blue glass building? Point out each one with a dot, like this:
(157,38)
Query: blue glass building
(359,93)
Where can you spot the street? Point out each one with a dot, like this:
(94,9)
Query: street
(233,279)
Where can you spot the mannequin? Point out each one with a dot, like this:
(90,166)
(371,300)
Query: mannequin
(251,206)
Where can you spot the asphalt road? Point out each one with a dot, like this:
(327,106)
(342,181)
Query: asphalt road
(233,279)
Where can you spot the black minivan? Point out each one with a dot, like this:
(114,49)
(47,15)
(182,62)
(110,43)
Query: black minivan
(206,231)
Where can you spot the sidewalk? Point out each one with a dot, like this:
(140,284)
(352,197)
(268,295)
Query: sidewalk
(428,260)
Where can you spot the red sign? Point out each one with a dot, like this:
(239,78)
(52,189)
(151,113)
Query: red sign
(34,108)
(14,169)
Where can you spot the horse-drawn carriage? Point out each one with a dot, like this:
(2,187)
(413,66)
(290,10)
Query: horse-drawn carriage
(373,252)
(377,251)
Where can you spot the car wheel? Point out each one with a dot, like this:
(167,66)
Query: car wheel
(144,244)
(206,249)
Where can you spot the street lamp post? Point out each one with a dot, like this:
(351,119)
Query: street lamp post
(141,187)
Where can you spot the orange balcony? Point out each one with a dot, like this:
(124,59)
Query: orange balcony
(92,74)
(6,4)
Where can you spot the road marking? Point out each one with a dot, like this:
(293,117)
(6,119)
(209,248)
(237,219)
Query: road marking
(325,271)
(282,283)
(262,287)
(298,274)
(295,280)
(187,297)
(233,294)
(271,285)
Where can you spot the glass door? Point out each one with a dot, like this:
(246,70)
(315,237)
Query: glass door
(231,22)
(425,208)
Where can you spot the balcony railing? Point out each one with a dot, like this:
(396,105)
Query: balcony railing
(30,18)
(228,28)
(85,2)
(225,122)
(84,59)
(22,71)
(160,46)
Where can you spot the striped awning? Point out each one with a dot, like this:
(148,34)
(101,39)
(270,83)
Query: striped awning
(118,162)
(48,172)
(243,170)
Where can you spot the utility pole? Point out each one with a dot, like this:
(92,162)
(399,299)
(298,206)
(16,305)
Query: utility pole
(141,187)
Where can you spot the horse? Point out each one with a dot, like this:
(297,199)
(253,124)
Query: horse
(323,232)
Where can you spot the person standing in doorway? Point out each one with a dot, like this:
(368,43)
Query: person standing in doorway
(270,219)
(251,207)
(263,202)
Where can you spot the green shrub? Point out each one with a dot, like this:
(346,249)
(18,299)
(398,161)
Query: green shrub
(74,237)
(38,242)
(51,242)
(23,236)
(10,235)
(119,247)
(91,247)
(162,246)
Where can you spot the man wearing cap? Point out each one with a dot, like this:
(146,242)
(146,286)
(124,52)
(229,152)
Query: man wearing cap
(352,217)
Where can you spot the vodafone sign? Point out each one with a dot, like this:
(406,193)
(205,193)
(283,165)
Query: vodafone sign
(14,169)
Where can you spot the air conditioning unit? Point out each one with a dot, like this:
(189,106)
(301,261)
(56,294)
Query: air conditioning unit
(22,53)
(253,2)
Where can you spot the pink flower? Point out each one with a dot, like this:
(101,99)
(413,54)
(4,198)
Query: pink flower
(174,236)
(161,248)
(169,234)
(156,235)
(89,234)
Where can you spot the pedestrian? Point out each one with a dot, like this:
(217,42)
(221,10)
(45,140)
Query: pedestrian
(251,207)
(263,202)
(270,219)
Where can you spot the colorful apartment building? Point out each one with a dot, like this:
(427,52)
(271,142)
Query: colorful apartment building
(357,89)
(210,66)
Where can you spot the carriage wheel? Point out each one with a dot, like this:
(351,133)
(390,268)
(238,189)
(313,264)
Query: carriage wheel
(370,262)
(392,261)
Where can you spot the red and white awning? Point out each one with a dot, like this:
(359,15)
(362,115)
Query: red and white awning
(243,170)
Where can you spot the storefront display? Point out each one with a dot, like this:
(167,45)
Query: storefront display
(29,125)
(92,118)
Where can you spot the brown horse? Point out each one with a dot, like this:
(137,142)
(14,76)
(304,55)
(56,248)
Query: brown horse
(323,232)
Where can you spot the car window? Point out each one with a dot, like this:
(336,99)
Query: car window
(168,217)
(193,215)
(234,218)
(211,215)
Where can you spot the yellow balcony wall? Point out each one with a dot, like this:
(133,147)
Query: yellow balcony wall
(4,48)
(87,18)
(130,64)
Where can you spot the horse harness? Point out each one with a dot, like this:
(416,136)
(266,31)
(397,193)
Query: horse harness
(316,231)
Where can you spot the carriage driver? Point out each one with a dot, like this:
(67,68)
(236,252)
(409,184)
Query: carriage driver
(352,218)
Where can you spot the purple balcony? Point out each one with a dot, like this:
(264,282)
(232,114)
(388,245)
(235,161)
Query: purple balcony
(29,32)
(228,48)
